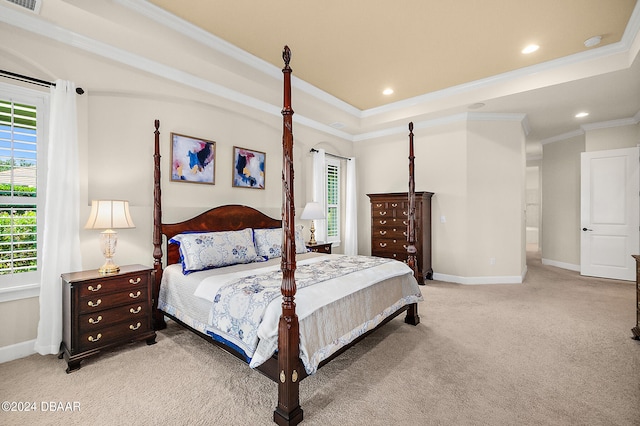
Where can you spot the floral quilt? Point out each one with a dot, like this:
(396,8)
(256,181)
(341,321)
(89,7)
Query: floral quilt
(239,306)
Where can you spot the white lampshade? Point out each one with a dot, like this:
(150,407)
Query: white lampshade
(109,214)
(312,211)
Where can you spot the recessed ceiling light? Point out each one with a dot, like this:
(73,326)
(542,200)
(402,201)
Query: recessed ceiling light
(388,91)
(477,105)
(530,49)
(581,114)
(593,41)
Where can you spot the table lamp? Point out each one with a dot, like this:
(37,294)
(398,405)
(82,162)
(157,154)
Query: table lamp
(312,211)
(109,215)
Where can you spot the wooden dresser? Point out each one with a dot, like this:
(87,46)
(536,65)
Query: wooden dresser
(636,330)
(389,220)
(103,311)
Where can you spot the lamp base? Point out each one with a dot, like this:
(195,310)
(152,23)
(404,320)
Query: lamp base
(312,230)
(109,268)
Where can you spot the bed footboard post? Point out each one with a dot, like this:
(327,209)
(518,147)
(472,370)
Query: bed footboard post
(158,317)
(288,411)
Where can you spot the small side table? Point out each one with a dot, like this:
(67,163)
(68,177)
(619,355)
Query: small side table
(103,311)
(319,247)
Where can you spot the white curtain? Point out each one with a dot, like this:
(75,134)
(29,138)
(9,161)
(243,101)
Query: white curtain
(351,211)
(320,191)
(60,239)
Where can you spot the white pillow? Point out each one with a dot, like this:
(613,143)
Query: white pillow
(269,242)
(199,251)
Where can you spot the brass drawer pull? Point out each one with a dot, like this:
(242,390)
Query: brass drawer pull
(405,213)
(383,244)
(394,204)
(405,233)
(93,305)
(135,296)
(136,281)
(383,222)
(135,311)
(383,232)
(95,321)
(379,205)
(383,213)
(132,327)
(404,222)
(95,289)
(94,339)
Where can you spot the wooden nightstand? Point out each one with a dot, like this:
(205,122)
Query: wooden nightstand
(319,247)
(102,311)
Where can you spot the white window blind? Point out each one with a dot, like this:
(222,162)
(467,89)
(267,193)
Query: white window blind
(333,201)
(18,187)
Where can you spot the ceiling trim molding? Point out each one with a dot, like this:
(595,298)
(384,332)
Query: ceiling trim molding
(562,137)
(450,119)
(65,36)
(214,42)
(611,123)
(177,24)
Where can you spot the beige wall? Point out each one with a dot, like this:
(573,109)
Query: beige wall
(476,170)
(19,321)
(561,200)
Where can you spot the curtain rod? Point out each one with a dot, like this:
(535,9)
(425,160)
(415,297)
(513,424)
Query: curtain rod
(331,155)
(36,81)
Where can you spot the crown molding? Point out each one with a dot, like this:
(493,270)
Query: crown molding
(562,137)
(41,27)
(187,29)
(45,29)
(608,124)
(442,121)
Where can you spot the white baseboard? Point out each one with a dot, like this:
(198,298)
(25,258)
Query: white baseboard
(18,350)
(503,279)
(562,265)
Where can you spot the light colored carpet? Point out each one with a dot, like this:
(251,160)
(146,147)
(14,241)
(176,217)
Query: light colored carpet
(555,350)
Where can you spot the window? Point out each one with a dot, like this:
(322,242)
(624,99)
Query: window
(333,200)
(21,122)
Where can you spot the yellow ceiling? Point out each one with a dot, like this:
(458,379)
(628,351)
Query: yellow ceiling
(353,49)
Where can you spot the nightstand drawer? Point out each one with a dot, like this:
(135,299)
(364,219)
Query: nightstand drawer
(319,247)
(123,331)
(98,303)
(108,285)
(97,320)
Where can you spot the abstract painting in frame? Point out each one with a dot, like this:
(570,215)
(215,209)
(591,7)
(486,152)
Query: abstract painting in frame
(248,168)
(192,159)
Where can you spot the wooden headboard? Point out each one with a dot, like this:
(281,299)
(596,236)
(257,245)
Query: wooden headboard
(232,217)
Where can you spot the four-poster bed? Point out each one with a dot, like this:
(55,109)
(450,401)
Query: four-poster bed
(316,314)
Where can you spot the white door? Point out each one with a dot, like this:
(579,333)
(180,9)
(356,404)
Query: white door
(610,199)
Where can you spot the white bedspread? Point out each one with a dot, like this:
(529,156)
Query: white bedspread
(331,314)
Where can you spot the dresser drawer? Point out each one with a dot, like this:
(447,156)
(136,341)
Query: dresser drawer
(109,300)
(98,287)
(123,331)
(97,320)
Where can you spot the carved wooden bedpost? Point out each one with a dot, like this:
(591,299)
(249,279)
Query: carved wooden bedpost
(158,317)
(288,411)
(412,313)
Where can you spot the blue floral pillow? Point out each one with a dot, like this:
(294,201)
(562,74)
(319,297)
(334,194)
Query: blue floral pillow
(200,251)
(269,242)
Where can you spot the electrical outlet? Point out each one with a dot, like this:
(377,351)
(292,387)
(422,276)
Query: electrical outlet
(492,261)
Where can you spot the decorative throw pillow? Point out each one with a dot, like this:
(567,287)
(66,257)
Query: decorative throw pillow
(200,251)
(269,242)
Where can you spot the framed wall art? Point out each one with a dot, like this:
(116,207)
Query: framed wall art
(248,168)
(192,159)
